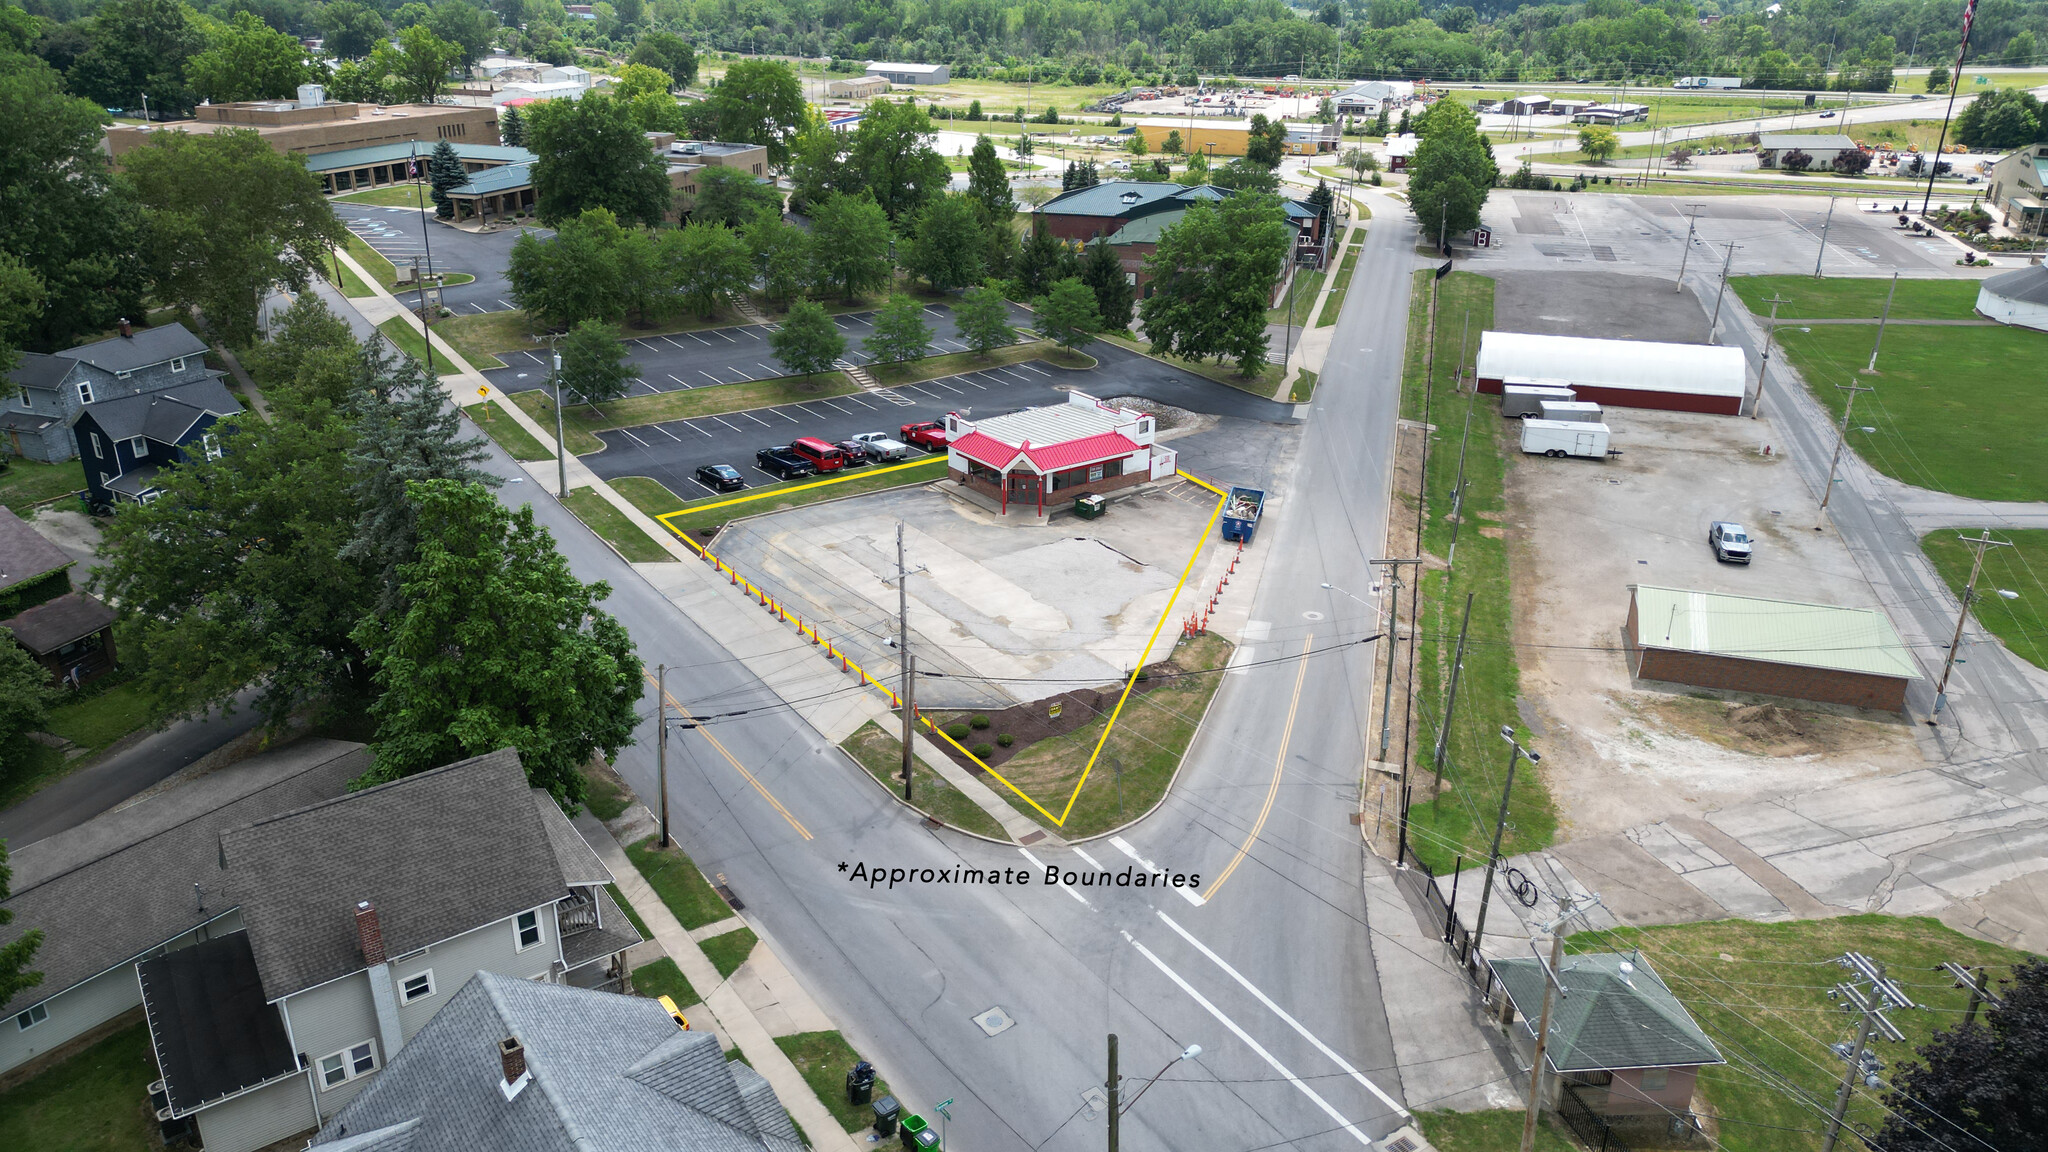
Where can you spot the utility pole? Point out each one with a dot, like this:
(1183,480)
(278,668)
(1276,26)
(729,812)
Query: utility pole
(561,444)
(1516,752)
(1973,979)
(1882,996)
(661,744)
(1830,219)
(1714,325)
(1982,541)
(1553,986)
(1841,436)
(1387,698)
(1115,1112)
(908,662)
(1871,370)
(1443,734)
(1764,365)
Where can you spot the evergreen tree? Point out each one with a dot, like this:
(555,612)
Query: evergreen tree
(15,955)
(808,342)
(989,183)
(983,319)
(512,128)
(1379,125)
(1103,272)
(1066,314)
(444,174)
(974,110)
(1038,264)
(594,365)
(900,332)
(1406,125)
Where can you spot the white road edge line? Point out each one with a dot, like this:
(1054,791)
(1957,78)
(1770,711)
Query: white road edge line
(1123,846)
(1040,864)
(1282,1013)
(1254,1045)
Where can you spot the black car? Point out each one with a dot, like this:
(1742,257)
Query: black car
(783,464)
(721,478)
(856,452)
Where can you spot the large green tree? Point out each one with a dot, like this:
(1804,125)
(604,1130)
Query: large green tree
(1266,142)
(445,173)
(1452,172)
(229,216)
(758,102)
(817,165)
(466,26)
(782,257)
(1977,1085)
(351,30)
(732,197)
(497,644)
(983,318)
(891,155)
(580,274)
(706,264)
(589,154)
(2002,119)
(668,52)
(850,244)
(594,365)
(1103,272)
(247,60)
(989,183)
(417,69)
(1066,314)
(807,342)
(140,48)
(1213,276)
(945,245)
(25,699)
(900,332)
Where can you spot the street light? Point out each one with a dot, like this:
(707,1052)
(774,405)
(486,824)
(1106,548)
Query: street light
(1188,1053)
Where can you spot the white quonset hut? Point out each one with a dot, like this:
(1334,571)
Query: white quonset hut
(1618,373)
(2019,297)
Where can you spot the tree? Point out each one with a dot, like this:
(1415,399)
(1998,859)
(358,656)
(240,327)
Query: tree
(248,61)
(850,244)
(139,46)
(350,30)
(311,354)
(1245,176)
(594,365)
(669,53)
(988,182)
(891,155)
(758,102)
(466,26)
(732,197)
(1937,78)
(1038,264)
(497,644)
(25,698)
(1851,161)
(1978,1084)
(1173,145)
(2021,50)
(1452,171)
(808,342)
(782,257)
(900,332)
(1680,157)
(62,214)
(1024,148)
(1136,146)
(1380,127)
(21,302)
(1266,142)
(445,173)
(228,217)
(706,263)
(1213,275)
(1103,272)
(1795,160)
(578,275)
(512,128)
(974,110)
(946,246)
(635,80)
(418,67)
(2001,119)
(588,153)
(983,319)
(16,954)
(1066,314)
(1599,142)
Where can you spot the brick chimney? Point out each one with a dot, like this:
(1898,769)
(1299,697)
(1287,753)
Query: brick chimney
(127,329)
(513,1056)
(369,934)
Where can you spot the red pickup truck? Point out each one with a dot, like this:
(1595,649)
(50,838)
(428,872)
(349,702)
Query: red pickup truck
(929,435)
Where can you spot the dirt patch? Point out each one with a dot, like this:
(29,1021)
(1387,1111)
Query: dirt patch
(1032,721)
(1772,729)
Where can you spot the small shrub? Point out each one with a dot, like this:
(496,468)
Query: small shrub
(978,723)
(983,751)
(1005,739)
(957,730)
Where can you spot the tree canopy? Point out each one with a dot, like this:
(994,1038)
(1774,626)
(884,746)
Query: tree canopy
(589,153)
(1213,276)
(1452,172)
(1978,1085)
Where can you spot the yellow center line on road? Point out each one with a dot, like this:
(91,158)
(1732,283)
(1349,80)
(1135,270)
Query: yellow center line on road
(1279,770)
(736,765)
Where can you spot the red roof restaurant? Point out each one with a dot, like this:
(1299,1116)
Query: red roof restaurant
(1055,453)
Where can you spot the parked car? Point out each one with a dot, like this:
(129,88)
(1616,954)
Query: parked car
(1729,541)
(929,435)
(1828,115)
(882,446)
(818,454)
(783,464)
(721,478)
(854,452)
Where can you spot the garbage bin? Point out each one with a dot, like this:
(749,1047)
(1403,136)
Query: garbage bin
(917,1133)
(886,1111)
(860,1083)
(1088,505)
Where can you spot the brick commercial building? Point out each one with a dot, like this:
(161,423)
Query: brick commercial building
(1618,373)
(1820,652)
(312,124)
(1044,455)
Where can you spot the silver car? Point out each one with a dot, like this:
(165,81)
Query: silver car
(1729,541)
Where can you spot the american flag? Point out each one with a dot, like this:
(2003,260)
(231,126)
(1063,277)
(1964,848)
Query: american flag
(1969,17)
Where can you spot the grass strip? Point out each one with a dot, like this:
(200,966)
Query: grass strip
(1760,992)
(1306,284)
(622,534)
(676,880)
(1862,298)
(606,798)
(28,482)
(1459,821)
(882,755)
(399,331)
(631,914)
(499,425)
(823,1058)
(955,363)
(730,950)
(372,261)
(1487,1131)
(91,1102)
(662,978)
(410,195)
(2022,623)
(1304,388)
(1335,304)
(343,277)
(705,521)
(99,719)
(1261,383)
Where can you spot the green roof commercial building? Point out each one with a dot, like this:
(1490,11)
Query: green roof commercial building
(1820,652)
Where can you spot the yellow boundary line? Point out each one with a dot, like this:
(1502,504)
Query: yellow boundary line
(810,632)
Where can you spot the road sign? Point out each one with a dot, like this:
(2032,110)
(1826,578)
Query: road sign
(941,1107)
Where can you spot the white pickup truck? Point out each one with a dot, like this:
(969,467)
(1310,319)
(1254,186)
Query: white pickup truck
(881,446)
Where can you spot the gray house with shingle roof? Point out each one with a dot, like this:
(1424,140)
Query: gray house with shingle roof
(123,443)
(45,393)
(517,1066)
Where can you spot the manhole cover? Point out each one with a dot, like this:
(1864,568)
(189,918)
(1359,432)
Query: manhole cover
(995,1021)
(1311,615)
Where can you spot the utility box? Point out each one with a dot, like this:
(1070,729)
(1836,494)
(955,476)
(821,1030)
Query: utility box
(1558,438)
(1527,399)
(1571,411)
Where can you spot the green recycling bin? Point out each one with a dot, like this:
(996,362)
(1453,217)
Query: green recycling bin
(1089,506)
(917,1133)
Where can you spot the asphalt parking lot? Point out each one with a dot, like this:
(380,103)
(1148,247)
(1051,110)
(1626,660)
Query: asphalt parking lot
(671,452)
(395,235)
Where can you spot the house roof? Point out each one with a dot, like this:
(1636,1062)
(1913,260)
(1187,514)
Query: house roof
(391,153)
(1779,631)
(24,554)
(213,1033)
(579,861)
(51,625)
(491,181)
(438,854)
(1148,229)
(986,449)
(1692,369)
(1055,436)
(148,346)
(2024,285)
(1609,1017)
(1125,197)
(122,883)
(164,416)
(609,1073)
(1835,143)
(36,370)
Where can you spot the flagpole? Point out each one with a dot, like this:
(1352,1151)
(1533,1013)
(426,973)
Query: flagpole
(1955,81)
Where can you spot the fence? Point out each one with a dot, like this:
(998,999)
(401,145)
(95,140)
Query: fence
(1589,1126)
(1443,913)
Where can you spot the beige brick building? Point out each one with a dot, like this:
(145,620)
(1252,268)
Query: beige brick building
(312,124)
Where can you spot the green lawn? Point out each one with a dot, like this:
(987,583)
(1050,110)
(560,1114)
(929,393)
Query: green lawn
(1487,1132)
(1760,992)
(1333,306)
(97,1101)
(1952,411)
(605,799)
(729,951)
(40,766)
(24,483)
(105,716)
(702,517)
(824,1058)
(663,978)
(345,278)
(676,880)
(396,196)
(375,264)
(632,913)
(882,755)
(499,425)
(409,341)
(1460,820)
(607,521)
(1303,389)
(1841,298)
(2022,623)
(1306,284)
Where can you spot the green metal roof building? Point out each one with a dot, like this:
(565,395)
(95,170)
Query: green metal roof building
(1821,652)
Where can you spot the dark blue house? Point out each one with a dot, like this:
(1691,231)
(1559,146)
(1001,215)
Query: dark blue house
(123,442)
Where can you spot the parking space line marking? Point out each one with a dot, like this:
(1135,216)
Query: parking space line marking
(508,307)
(477,306)
(694,428)
(535,359)
(733,427)
(740,374)
(971,380)
(1029,368)
(785,415)
(835,407)
(676,378)
(755,419)
(935,311)
(721,332)
(863,403)
(709,376)
(697,338)
(635,439)
(765,368)
(666,432)
(949,387)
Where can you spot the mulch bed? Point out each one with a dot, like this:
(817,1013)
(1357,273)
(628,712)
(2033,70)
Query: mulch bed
(1028,723)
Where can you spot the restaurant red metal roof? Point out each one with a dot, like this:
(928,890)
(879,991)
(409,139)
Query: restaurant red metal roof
(982,448)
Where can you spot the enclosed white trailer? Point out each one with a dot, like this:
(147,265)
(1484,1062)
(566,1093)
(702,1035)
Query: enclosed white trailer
(1560,438)
(1571,411)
